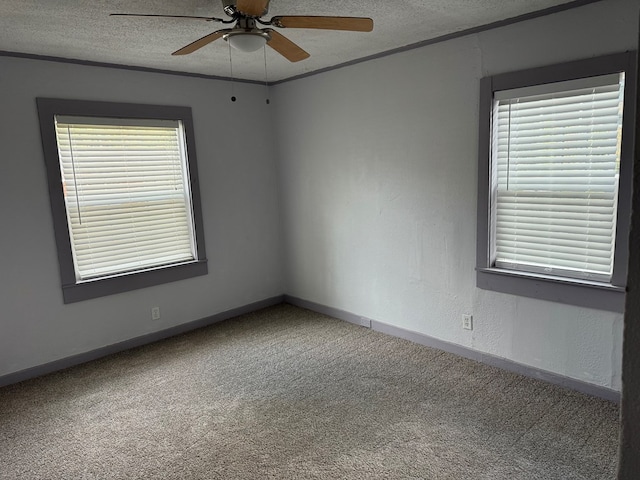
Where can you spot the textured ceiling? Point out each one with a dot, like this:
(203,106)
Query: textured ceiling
(83,30)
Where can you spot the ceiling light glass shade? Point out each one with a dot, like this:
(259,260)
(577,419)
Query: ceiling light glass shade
(247,42)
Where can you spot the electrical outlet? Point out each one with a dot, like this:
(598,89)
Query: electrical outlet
(155,313)
(467,321)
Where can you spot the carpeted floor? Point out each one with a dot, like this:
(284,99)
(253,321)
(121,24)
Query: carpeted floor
(287,393)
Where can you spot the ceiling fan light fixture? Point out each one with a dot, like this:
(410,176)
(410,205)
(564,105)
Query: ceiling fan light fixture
(247,41)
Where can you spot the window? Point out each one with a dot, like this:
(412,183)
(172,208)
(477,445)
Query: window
(124,195)
(554,181)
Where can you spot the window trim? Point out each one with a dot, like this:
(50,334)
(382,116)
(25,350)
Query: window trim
(72,291)
(604,296)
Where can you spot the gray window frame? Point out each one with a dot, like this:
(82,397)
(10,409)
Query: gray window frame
(604,296)
(72,291)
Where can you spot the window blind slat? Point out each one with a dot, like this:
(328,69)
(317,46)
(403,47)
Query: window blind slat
(560,257)
(538,238)
(96,271)
(95,257)
(566,268)
(153,233)
(110,221)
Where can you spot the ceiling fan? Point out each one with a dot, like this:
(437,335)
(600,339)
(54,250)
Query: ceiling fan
(248,35)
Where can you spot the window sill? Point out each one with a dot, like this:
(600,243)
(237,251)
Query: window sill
(582,293)
(124,283)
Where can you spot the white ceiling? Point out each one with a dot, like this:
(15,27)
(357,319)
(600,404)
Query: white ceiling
(83,30)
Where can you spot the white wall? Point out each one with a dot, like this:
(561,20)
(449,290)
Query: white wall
(378,168)
(239,203)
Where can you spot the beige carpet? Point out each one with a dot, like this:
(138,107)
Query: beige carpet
(287,393)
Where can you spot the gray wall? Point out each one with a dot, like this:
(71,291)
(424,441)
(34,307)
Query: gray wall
(372,170)
(378,166)
(239,203)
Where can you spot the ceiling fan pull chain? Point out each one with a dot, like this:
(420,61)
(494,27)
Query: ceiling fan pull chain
(266,81)
(233,97)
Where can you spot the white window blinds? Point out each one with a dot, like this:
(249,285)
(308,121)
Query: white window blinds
(127,195)
(555,164)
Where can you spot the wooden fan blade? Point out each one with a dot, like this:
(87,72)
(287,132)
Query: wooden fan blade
(353,24)
(208,19)
(201,42)
(286,47)
(252,8)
